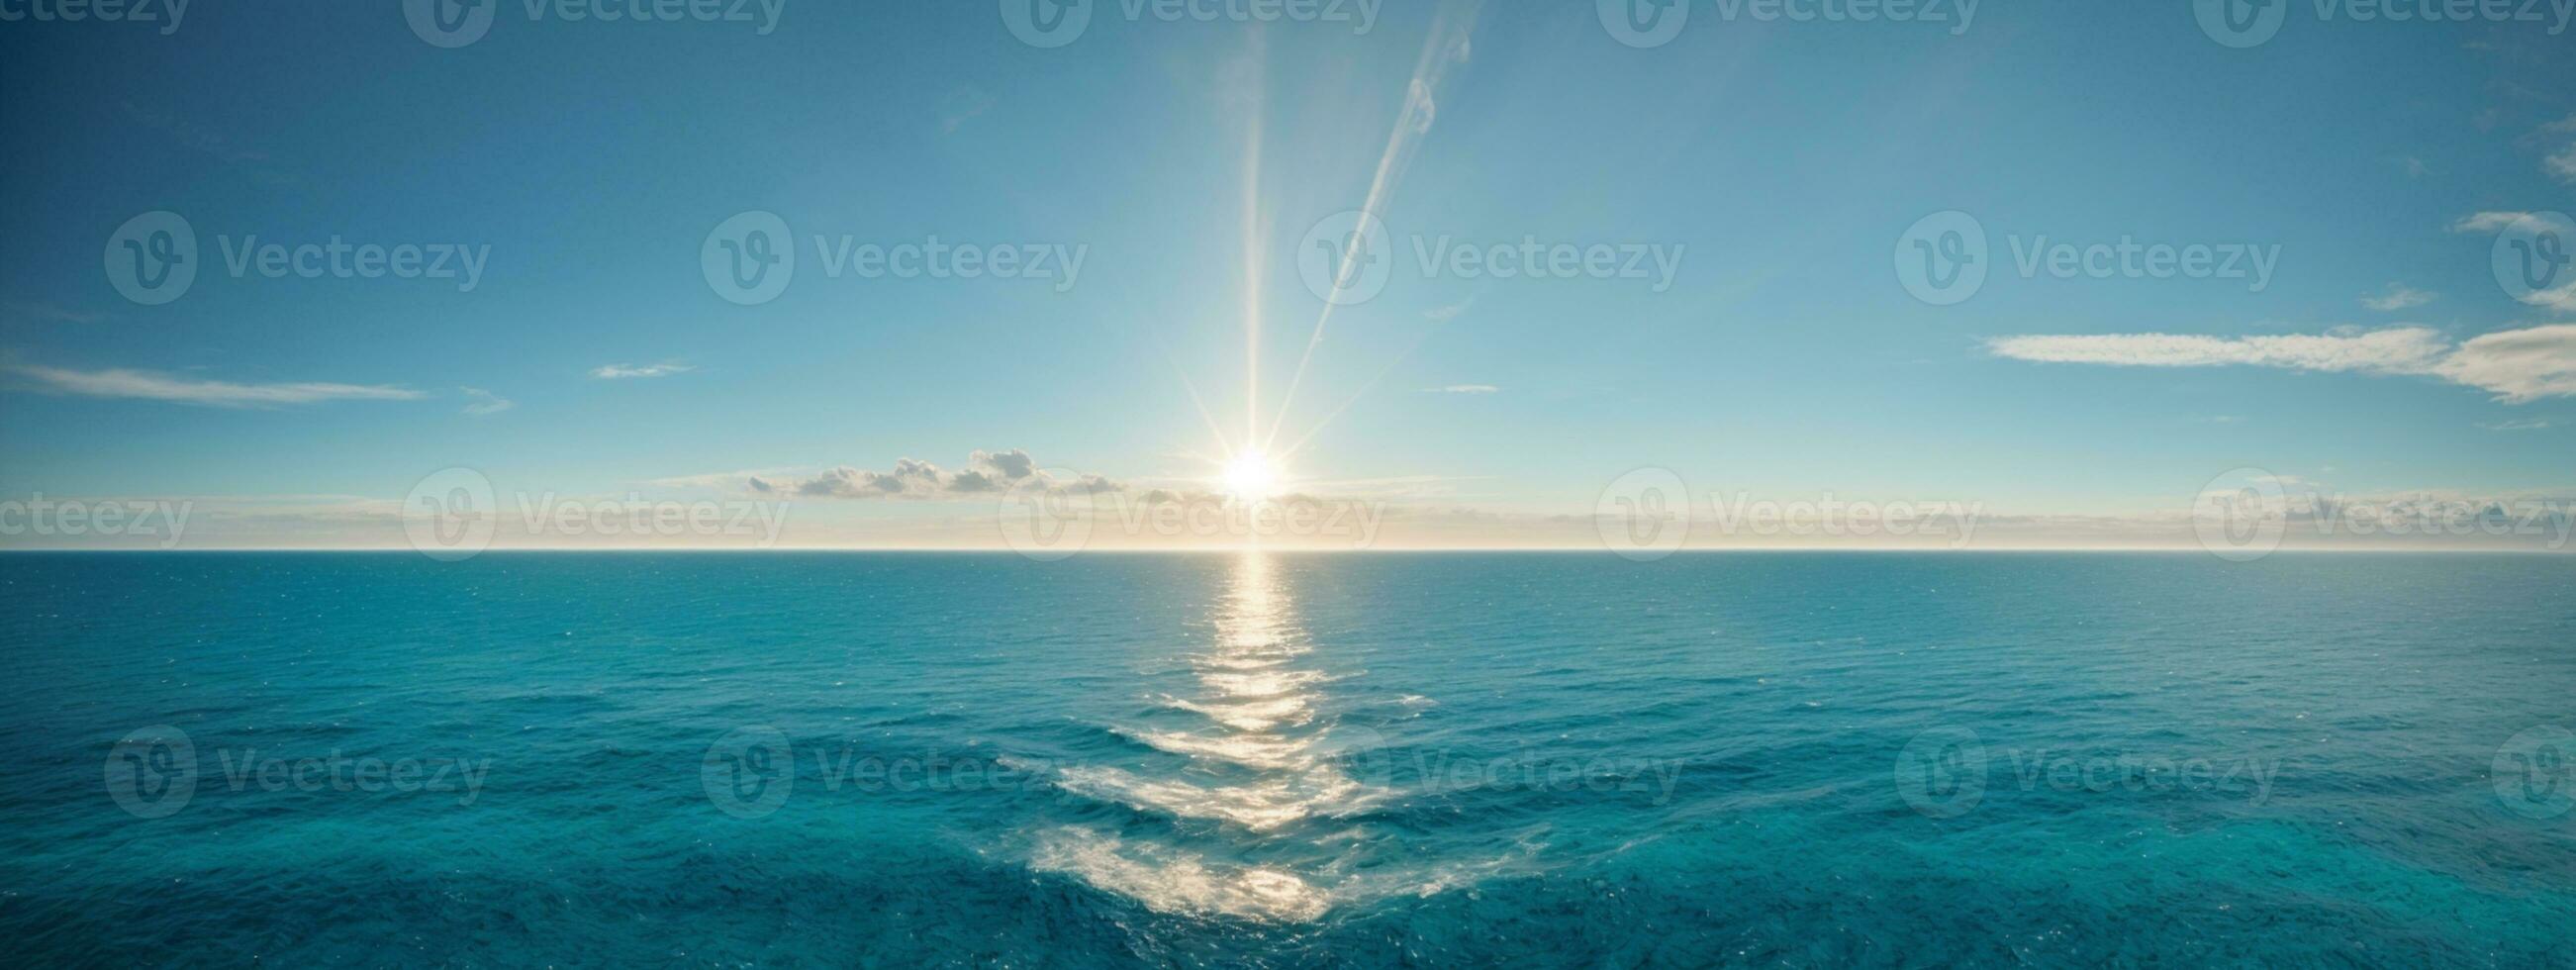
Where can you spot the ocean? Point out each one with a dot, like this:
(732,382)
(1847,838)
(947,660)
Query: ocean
(1530,759)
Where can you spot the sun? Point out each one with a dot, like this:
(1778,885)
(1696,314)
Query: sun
(1251,476)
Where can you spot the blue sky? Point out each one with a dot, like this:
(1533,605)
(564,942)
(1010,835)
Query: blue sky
(1776,163)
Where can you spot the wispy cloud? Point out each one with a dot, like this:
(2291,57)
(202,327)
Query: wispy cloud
(2487,221)
(50,312)
(962,106)
(2398,297)
(150,386)
(2518,366)
(2560,164)
(480,402)
(1451,312)
(1462,389)
(615,372)
(2525,424)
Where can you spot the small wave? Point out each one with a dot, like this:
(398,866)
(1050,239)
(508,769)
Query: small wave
(1172,880)
(1259,715)
(1167,879)
(1264,752)
(1261,807)
(1260,684)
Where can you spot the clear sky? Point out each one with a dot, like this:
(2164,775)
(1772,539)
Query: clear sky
(1759,184)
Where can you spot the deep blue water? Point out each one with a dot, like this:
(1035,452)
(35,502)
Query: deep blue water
(1540,759)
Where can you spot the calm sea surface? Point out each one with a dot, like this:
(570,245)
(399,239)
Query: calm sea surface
(1539,759)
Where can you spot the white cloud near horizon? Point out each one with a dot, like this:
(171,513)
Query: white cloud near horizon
(986,473)
(614,372)
(118,382)
(2518,366)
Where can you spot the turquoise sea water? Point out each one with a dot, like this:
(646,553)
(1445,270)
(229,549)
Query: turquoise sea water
(1536,759)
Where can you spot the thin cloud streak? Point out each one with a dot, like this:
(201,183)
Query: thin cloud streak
(617,372)
(149,386)
(2518,366)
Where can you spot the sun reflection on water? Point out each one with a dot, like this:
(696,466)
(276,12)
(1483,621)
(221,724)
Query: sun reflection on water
(1261,765)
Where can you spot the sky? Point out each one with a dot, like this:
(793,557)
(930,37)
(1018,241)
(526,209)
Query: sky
(1691,272)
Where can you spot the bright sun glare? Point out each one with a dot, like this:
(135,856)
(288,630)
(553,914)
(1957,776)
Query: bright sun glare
(1251,476)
